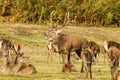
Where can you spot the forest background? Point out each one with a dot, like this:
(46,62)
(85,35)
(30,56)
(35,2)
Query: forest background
(88,12)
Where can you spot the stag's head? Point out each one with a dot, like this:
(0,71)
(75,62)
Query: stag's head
(54,31)
(52,34)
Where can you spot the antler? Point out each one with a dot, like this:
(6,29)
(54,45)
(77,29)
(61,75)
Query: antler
(51,19)
(52,25)
(66,20)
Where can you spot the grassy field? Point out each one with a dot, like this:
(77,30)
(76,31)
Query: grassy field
(33,43)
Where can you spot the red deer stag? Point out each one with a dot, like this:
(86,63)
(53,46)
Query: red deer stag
(66,43)
(112,55)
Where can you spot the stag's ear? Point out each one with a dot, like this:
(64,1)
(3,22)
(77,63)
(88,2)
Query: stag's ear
(49,25)
(58,31)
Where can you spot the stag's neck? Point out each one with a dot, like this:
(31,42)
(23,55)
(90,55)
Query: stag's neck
(61,39)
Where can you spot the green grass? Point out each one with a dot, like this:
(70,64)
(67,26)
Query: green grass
(33,43)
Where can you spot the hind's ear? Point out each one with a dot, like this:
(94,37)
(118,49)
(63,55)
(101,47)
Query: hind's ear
(21,54)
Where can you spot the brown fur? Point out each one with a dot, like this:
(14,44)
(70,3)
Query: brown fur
(15,50)
(5,46)
(87,58)
(4,65)
(95,48)
(113,54)
(19,66)
(111,44)
(67,43)
(69,67)
(117,75)
(28,69)
(51,49)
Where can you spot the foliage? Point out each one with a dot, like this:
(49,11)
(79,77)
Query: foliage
(89,12)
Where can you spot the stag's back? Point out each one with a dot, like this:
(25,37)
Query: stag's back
(72,42)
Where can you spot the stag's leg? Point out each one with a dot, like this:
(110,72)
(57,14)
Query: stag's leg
(96,56)
(78,52)
(64,58)
(69,61)
(59,57)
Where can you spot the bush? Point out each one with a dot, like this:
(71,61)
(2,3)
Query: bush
(89,12)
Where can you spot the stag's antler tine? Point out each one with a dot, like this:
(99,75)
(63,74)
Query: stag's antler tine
(66,20)
(51,19)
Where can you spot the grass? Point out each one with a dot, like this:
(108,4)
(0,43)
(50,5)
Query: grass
(33,43)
